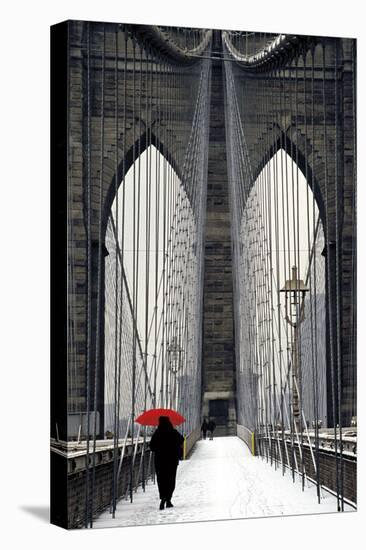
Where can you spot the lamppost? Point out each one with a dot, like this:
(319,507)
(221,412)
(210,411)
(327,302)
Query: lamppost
(295,291)
(175,352)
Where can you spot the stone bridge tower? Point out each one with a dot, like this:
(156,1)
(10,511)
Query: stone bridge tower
(218,374)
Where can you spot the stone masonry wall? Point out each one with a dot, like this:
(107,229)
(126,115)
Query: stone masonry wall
(218,336)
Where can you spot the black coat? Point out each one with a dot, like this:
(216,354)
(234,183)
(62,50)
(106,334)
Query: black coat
(167,446)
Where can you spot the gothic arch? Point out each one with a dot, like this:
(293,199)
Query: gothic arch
(296,153)
(135,150)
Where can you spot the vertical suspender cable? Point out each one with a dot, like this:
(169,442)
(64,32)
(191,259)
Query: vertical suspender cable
(272,238)
(281,210)
(291,386)
(147,239)
(134,275)
(338,191)
(315,345)
(311,282)
(298,299)
(268,263)
(89,286)
(283,173)
(274,255)
(122,250)
(116,308)
(156,222)
(99,279)
(165,370)
(157,231)
(328,267)
(121,261)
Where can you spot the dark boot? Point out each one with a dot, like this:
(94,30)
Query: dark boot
(162,502)
(169,504)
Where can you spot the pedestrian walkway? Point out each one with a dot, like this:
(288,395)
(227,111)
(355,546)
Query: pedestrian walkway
(222,480)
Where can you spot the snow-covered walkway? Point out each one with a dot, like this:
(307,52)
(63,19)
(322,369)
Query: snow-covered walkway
(221,480)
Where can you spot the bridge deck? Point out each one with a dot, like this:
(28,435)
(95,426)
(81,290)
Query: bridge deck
(222,480)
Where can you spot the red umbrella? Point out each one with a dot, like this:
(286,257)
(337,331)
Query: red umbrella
(151,417)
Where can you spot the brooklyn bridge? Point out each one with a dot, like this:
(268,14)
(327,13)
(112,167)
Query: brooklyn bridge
(204,260)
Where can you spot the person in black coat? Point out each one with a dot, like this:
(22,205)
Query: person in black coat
(204,428)
(166,443)
(211,426)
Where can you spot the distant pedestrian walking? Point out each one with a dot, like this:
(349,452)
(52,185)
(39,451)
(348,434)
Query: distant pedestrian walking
(204,428)
(166,443)
(211,427)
